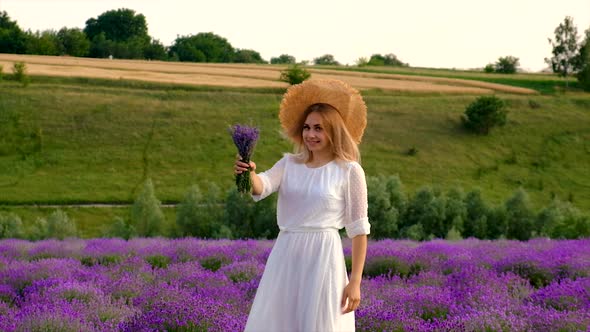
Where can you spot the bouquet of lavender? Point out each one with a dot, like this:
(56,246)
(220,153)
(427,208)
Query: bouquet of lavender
(245,139)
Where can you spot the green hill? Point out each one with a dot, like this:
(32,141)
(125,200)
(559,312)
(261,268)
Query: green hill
(71,140)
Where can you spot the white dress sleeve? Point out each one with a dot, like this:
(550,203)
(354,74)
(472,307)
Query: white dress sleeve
(271,179)
(356,217)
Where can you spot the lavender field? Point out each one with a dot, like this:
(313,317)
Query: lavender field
(200,285)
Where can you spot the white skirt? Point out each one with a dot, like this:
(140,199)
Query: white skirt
(302,284)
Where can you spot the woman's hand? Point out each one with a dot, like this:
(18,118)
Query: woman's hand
(352,295)
(241,167)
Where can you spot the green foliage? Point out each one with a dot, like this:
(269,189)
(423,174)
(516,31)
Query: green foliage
(294,74)
(158,261)
(43,43)
(202,47)
(19,73)
(247,56)
(563,220)
(453,235)
(489,68)
(484,113)
(247,219)
(60,226)
(414,232)
(565,58)
(201,216)
(455,210)
(519,216)
(283,59)
(73,42)
(12,38)
(155,50)
(121,229)
(326,59)
(427,208)
(120,25)
(385,60)
(475,223)
(146,214)
(386,205)
(1,73)
(38,230)
(362,61)
(11,226)
(584,74)
(506,65)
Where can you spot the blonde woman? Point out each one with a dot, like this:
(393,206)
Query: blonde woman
(322,188)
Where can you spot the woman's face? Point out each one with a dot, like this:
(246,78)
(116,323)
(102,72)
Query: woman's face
(315,137)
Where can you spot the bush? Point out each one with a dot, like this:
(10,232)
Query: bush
(489,68)
(60,226)
(427,208)
(475,223)
(507,65)
(284,59)
(484,113)
(121,229)
(386,205)
(326,59)
(19,72)
(519,216)
(1,68)
(294,74)
(247,219)
(562,220)
(146,214)
(38,231)
(11,226)
(188,214)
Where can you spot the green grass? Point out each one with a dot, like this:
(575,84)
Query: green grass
(96,143)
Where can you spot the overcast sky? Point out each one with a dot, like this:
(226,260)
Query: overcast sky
(423,33)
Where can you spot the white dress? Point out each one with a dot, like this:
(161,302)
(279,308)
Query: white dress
(305,274)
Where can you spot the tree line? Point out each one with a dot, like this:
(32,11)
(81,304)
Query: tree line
(123,34)
(427,214)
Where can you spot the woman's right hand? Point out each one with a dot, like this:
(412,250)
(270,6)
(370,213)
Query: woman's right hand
(241,166)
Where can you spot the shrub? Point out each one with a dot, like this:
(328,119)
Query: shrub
(386,205)
(475,222)
(453,235)
(38,230)
(562,220)
(19,71)
(11,226)
(427,208)
(484,113)
(284,59)
(519,216)
(121,229)
(294,74)
(507,65)
(1,68)
(188,214)
(146,214)
(489,68)
(60,226)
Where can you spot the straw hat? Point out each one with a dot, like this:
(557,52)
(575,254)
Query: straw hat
(338,94)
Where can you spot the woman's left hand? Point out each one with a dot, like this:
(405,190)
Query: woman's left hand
(352,293)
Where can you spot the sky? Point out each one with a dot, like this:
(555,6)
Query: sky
(461,34)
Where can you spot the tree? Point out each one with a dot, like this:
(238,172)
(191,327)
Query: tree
(12,38)
(506,65)
(383,214)
(484,113)
(294,74)
(475,223)
(146,213)
(584,57)
(519,216)
(247,56)
(155,51)
(565,59)
(118,25)
(285,59)
(43,43)
(386,60)
(203,47)
(326,59)
(73,42)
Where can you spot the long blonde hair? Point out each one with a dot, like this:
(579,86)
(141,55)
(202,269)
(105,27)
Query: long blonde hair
(342,145)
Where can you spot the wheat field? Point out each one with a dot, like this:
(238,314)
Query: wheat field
(240,75)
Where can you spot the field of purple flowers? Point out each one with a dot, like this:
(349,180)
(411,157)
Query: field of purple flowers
(200,285)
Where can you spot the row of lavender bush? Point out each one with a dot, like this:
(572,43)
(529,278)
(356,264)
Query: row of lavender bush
(426,215)
(208,285)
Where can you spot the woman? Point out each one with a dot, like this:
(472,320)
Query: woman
(322,189)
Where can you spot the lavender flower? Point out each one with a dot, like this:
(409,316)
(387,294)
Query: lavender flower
(245,139)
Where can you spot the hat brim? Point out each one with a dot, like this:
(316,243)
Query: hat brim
(344,98)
